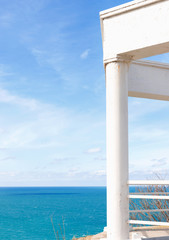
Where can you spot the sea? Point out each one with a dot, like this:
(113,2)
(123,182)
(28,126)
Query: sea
(50,213)
(62,213)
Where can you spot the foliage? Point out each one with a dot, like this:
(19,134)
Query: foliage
(60,233)
(160,207)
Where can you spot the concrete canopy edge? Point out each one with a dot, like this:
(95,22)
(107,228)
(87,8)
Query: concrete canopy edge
(135,30)
(126,7)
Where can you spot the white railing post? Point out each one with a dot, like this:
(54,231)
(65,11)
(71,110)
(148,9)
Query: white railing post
(117,150)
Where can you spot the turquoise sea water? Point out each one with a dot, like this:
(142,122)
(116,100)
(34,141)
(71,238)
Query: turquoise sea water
(25,213)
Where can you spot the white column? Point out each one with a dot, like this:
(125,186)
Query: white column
(117,150)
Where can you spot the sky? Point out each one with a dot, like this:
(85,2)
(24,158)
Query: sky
(52,99)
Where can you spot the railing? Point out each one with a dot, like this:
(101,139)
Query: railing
(148,195)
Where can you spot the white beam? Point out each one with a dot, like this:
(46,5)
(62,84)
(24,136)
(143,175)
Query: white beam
(149,210)
(153,223)
(149,80)
(148,197)
(148,182)
(137,29)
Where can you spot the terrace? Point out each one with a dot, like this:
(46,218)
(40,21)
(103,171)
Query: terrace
(131,32)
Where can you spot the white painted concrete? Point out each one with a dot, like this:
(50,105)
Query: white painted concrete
(117,150)
(153,223)
(148,182)
(148,197)
(131,31)
(149,80)
(137,29)
(138,79)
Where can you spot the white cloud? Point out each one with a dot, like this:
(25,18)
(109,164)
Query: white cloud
(85,54)
(100,173)
(4,71)
(100,158)
(159,162)
(6,97)
(6,159)
(40,55)
(73,172)
(62,159)
(35,124)
(36,133)
(11,174)
(142,107)
(148,133)
(6,19)
(86,174)
(149,174)
(93,150)
(51,178)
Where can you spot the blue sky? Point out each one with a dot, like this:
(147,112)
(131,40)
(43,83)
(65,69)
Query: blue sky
(52,99)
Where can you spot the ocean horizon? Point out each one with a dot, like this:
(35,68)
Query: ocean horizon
(39,212)
(26,212)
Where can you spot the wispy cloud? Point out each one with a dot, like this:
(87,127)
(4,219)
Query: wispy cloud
(6,159)
(159,163)
(47,121)
(93,150)
(40,55)
(100,158)
(6,19)
(85,54)
(138,108)
(74,177)
(100,173)
(4,71)
(6,97)
(8,173)
(151,169)
(73,172)
(148,133)
(149,174)
(86,174)
(62,159)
